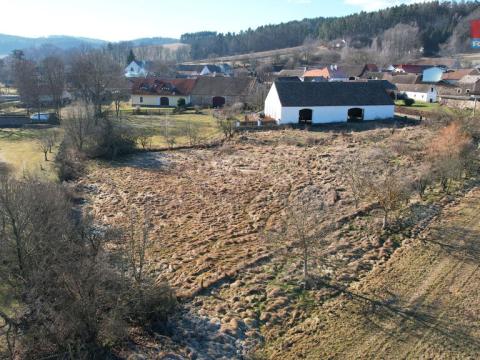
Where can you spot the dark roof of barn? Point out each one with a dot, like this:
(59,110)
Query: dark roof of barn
(293,94)
(223,86)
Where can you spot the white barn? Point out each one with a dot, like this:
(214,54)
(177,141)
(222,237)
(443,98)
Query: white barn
(327,102)
(419,92)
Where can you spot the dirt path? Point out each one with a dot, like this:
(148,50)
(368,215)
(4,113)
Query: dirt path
(424,303)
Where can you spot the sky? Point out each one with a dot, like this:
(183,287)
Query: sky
(116,20)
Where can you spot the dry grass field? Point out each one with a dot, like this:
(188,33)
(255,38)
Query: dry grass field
(20,151)
(381,293)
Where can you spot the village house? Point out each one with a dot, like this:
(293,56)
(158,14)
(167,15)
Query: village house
(418,92)
(161,93)
(410,68)
(355,72)
(187,70)
(220,91)
(138,69)
(291,72)
(328,73)
(453,77)
(327,102)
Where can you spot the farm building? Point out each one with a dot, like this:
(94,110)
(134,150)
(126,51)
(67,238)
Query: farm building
(157,92)
(327,102)
(419,92)
(328,73)
(219,91)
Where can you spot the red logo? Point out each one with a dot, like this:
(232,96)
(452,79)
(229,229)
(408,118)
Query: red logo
(475,29)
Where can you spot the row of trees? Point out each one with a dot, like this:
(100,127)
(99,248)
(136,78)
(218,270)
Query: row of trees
(437,22)
(94,75)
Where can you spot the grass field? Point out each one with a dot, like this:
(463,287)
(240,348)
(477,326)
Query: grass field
(155,125)
(422,106)
(19,149)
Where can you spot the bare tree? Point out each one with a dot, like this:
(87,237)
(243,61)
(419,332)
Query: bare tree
(226,119)
(167,133)
(44,144)
(93,74)
(79,125)
(192,132)
(386,184)
(54,78)
(303,231)
(400,43)
(27,82)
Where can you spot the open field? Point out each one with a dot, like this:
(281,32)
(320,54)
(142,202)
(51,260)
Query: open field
(19,149)
(154,125)
(262,55)
(423,303)
(212,211)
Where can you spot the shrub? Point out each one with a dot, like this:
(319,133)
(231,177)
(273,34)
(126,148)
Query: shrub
(408,101)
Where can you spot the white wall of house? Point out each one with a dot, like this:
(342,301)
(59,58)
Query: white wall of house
(154,100)
(273,107)
(430,96)
(321,114)
(134,70)
(330,114)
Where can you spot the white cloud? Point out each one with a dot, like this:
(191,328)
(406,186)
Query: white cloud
(371,5)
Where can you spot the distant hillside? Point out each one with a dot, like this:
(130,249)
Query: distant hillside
(8,43)
(437,22)
(154,41)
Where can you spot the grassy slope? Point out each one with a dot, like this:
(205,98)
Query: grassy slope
(427,297)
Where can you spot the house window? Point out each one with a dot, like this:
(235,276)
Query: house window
(131,69)
(467,91)
(431,89)
(141,99)
(459,91)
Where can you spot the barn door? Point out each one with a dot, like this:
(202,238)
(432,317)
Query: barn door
(305,116)
(218,101)
(164,101)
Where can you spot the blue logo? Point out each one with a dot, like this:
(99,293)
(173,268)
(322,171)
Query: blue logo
(475,43)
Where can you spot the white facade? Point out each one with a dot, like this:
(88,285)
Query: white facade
(321,114)
(430,96)
(155,100)
(133,70)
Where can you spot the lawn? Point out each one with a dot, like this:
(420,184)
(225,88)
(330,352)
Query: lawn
(155,125)
(421,106)
(19,149)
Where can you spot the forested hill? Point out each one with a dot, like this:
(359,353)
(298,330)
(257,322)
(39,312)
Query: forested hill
(437,22)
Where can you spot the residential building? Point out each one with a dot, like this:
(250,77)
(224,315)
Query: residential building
(327,102)
(161,93)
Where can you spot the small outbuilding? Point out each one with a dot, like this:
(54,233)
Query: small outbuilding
(327,102)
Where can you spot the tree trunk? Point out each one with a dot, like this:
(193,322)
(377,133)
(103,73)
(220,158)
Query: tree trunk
(385,220)
(305,268)
(45,153)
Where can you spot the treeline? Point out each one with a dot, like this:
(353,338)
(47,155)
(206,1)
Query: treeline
(436,20)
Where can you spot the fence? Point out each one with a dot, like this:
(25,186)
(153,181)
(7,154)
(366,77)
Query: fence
(14,120)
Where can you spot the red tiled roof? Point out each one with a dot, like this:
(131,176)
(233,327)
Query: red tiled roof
(154,86)
(458,74)
(413,69)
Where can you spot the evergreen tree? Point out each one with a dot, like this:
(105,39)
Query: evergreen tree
(131,57)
